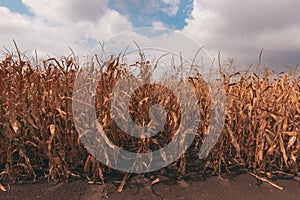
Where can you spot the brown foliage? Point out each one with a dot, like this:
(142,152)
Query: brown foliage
(38,137)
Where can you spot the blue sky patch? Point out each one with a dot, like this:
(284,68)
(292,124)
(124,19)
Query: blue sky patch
(143,13)
(15,6)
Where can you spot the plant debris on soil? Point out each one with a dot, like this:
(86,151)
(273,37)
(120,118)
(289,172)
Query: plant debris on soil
(213,188)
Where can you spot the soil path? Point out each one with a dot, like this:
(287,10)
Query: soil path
(241,187)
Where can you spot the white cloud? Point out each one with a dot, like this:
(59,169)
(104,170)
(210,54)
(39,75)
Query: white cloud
(147,7)
(236,28)
(110,24)
(158,24)
(67,10)
(172,7)
(57,25)
(31,33)
(241,28)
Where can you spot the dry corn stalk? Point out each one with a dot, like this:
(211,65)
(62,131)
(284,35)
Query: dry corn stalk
(37,133)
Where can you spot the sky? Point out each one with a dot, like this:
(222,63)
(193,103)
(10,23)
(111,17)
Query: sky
(237,29)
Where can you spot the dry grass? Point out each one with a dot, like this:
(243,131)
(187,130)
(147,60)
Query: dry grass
(38,137)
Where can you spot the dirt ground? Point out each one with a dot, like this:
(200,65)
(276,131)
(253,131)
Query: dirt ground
(243,186)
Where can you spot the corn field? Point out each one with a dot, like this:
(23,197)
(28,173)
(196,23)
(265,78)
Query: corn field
(38,139)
